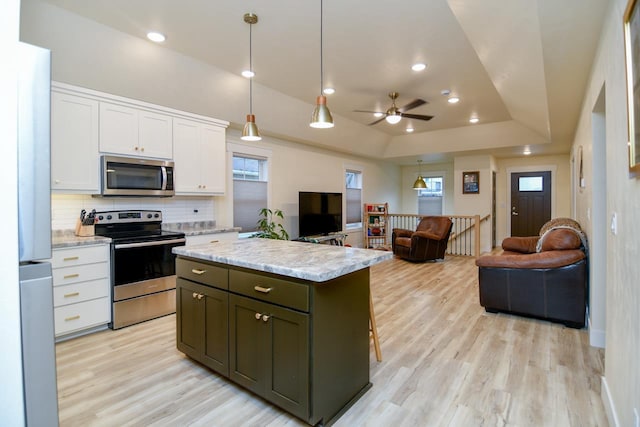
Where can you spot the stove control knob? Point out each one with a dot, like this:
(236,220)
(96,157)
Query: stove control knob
(100,217)
(157,215)
(109,217)
(149,215)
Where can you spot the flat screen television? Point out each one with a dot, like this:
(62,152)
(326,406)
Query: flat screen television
(319,213)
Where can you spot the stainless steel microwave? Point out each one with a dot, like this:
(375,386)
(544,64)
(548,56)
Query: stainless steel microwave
(129,176)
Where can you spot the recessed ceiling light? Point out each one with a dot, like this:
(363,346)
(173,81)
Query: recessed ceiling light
(378,114)
(155,36)
(409,129)
(418,67)
(329,91)
(526,152)
(453,100)
(248,74)
(474,120)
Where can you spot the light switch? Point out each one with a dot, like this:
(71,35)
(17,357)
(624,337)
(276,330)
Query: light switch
(614,223)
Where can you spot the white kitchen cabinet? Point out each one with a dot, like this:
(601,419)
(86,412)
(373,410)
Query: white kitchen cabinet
(200,158)
(81,289)
(74,144)
(135,132)
(201,239)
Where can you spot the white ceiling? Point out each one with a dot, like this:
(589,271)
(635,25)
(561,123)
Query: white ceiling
(516,64)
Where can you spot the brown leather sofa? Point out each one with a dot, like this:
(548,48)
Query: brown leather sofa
(427,242)
(543,276)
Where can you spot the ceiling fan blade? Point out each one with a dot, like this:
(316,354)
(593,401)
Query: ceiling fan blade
(377,121)
(367,111)
(413,104)
(417,116)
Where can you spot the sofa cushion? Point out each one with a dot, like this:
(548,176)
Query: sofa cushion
(560,239)
(403,241)
(523,245)
(436,226)
(547,259)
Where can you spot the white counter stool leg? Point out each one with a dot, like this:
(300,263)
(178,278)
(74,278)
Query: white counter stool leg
(374,329)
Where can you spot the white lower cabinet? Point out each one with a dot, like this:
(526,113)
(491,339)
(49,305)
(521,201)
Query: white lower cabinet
(81,288)
(201,239)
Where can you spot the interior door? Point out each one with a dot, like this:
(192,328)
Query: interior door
(530,202)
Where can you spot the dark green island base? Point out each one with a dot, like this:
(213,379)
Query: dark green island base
(299,344)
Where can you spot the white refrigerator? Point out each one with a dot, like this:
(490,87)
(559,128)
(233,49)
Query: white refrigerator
(34,223)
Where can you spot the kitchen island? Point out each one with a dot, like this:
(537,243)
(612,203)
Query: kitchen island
(289,321)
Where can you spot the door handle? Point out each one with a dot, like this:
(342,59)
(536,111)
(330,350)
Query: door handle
(514,213)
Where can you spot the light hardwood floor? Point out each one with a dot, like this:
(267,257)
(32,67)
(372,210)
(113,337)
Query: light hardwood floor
(445,363)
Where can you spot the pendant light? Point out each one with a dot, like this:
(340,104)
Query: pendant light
(419,184)
(321,117)
(250,131)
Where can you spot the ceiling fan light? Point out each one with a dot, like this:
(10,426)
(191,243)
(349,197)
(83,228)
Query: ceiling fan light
(321,116)
(420,184)
(393,118)
(250,131)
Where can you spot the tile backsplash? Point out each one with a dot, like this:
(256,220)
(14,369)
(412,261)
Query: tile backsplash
(65,208)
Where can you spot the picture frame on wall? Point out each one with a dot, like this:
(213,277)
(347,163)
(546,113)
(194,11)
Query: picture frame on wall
(471,182)
(631,26)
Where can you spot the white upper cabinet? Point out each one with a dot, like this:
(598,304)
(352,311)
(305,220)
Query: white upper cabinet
(75,166)
(199,155)
(134,132)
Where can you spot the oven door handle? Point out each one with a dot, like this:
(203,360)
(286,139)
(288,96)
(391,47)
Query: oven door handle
(153,243)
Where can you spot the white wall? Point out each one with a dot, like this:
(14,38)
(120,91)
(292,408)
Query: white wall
(621,383)
(11,392)
(409,204)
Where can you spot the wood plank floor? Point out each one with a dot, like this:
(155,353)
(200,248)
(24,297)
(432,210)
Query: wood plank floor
(445,363)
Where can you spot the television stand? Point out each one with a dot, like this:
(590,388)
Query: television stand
(336,239)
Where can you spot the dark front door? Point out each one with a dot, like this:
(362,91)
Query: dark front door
(530,202)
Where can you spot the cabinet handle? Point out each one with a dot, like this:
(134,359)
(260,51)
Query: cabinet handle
(71,276)
(214,241)
(141,148)
(261,289)
(194,295)
(258,316)
(135,148)
(76,317)
(72,294)
(200,296)
(198,272)
(71,258)
(265,317)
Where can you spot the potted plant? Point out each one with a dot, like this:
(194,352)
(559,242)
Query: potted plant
(267,228)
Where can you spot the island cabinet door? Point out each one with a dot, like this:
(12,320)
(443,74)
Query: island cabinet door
(269,352)
(202,324)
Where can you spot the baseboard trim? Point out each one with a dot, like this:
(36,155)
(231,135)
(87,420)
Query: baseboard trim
(607,401)
(597,337)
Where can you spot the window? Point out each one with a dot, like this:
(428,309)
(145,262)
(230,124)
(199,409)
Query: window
(353,185)
(249,190)
(530,183)
(430,199)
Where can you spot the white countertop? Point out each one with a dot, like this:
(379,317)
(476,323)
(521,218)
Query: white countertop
(308,261)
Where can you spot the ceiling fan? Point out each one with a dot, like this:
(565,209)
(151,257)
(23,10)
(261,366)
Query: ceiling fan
(394,114)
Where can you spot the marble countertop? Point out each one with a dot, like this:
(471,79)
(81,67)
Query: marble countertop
(67,239)
(198,228)
(308,261)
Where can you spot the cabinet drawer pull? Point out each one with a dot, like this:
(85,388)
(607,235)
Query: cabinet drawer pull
(199,272)
(71,276)
(265,317)
(194,295)
(71,258)
(72,294)
(76,317)
(261,289)
(200,296)
(258,316)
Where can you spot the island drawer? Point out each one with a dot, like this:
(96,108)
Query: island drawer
(200,272)
(270,289)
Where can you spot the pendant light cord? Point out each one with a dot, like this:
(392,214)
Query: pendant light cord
(321,53)
(250,69)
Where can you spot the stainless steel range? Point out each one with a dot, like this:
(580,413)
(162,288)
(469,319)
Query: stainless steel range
(142,265)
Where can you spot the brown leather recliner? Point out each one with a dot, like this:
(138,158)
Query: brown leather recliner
(543,276)
(427,242)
